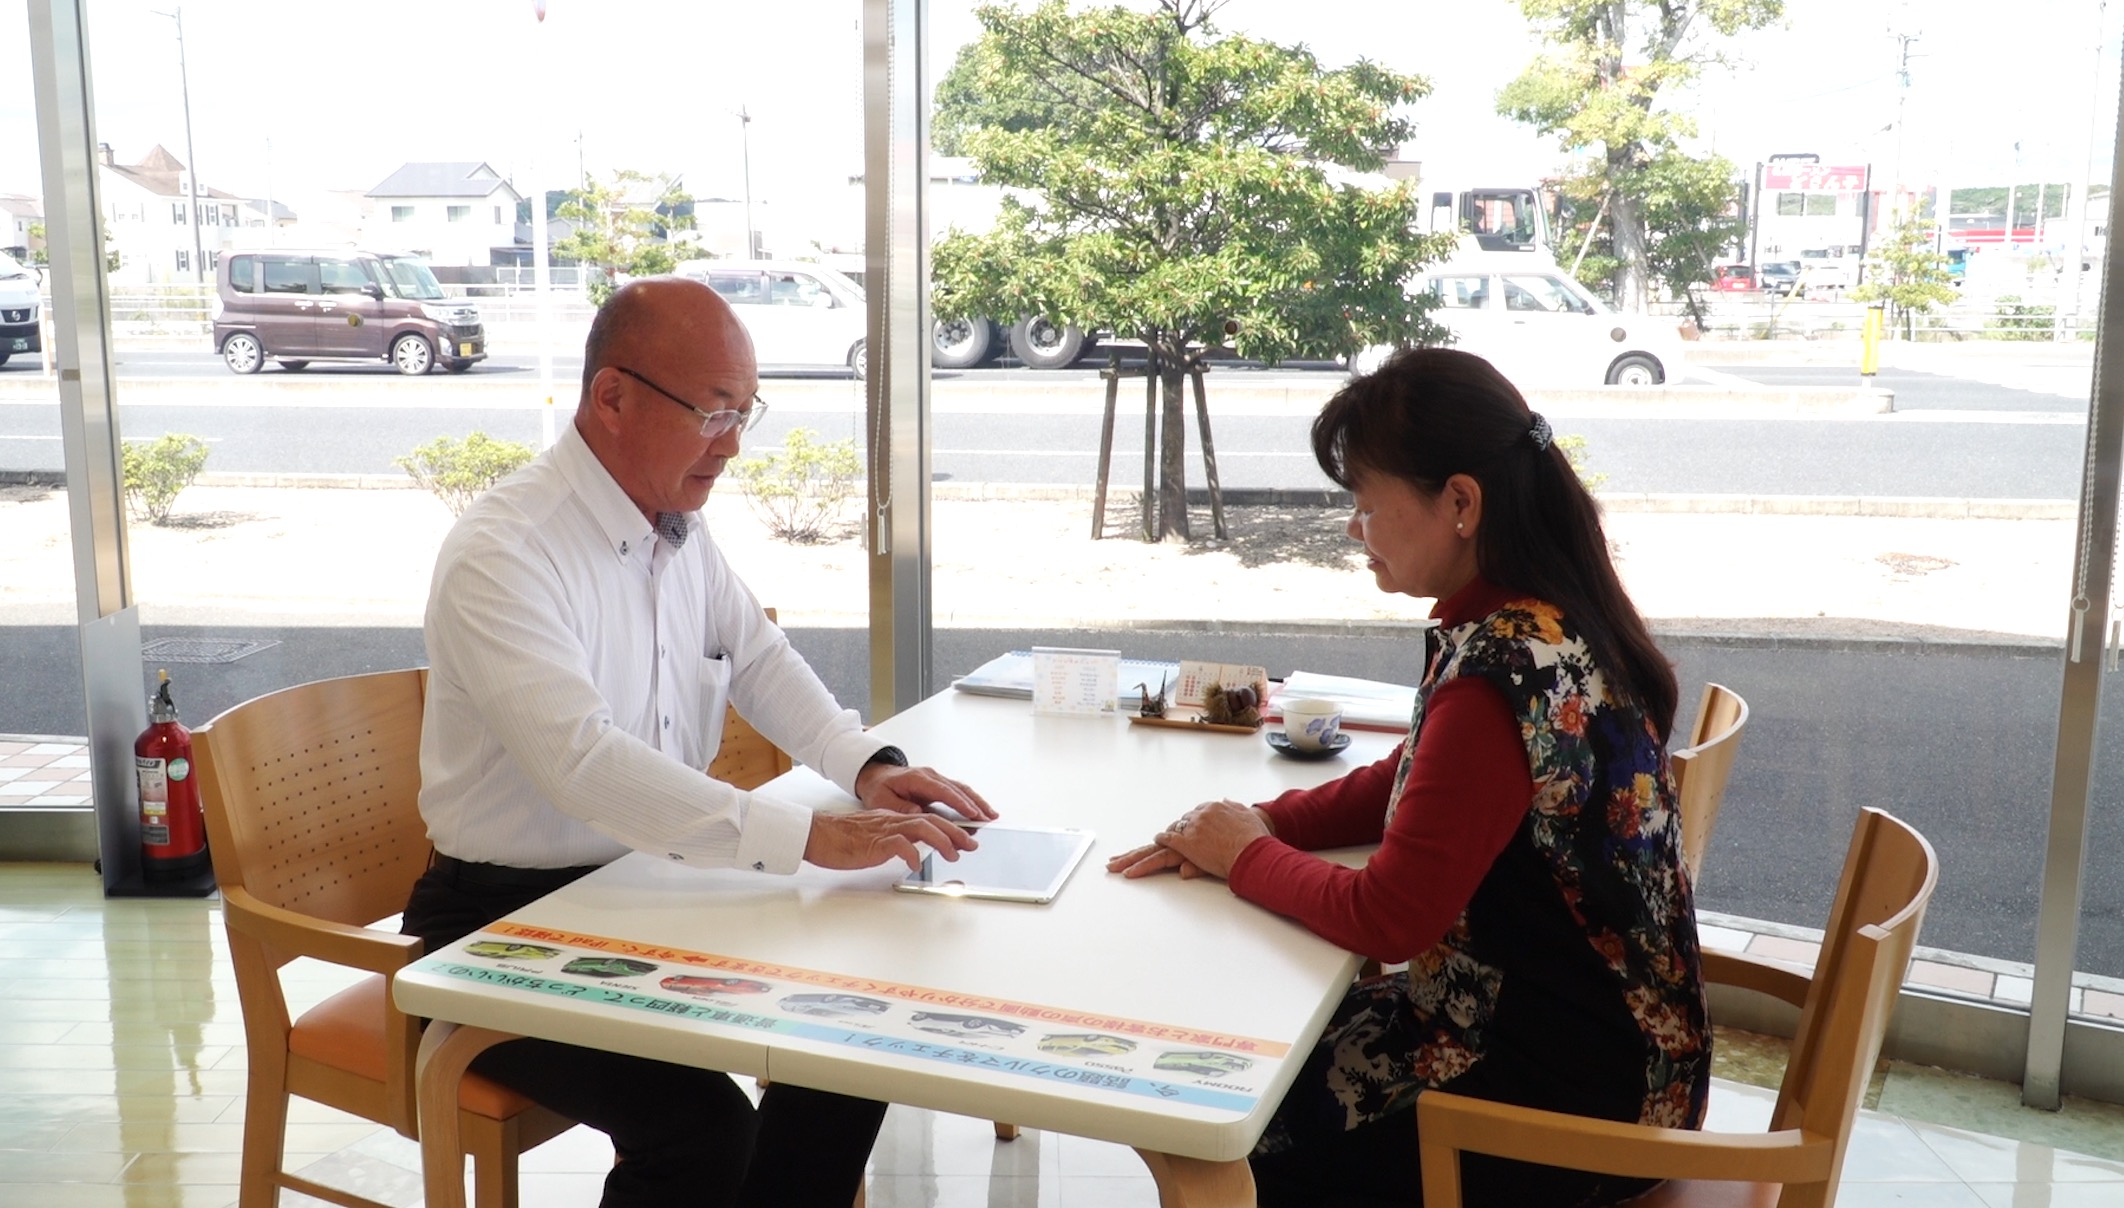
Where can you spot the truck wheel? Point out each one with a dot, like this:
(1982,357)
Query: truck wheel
(1635,369)
(1044,345)
(962,343)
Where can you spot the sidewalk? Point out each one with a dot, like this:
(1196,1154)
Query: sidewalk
(1022,557)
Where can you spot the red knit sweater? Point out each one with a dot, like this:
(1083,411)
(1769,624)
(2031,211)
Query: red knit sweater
(1468,789)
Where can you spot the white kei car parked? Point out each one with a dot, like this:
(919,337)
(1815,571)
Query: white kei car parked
(796,312)
(1528,317)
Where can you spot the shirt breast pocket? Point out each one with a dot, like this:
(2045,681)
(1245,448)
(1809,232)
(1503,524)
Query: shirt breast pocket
(715,699)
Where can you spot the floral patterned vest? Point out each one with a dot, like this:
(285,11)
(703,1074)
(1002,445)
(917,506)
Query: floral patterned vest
(1605,837)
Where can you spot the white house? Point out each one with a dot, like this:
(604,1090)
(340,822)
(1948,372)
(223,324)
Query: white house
(449,213)
(144,210)
(18,214)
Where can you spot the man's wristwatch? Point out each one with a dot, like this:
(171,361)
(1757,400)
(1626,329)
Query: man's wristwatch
(890,755)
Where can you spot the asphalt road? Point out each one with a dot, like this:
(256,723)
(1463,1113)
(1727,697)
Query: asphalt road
(1949,436)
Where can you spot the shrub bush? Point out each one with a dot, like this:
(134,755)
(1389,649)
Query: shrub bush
(157,471)
(457,471)
(2018,320)
(803,490)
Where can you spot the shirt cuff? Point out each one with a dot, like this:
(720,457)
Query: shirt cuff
(773,836)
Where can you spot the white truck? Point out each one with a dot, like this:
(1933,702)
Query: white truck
(21,309)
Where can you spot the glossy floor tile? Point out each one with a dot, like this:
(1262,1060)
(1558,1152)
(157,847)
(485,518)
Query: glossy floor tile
(122,1086)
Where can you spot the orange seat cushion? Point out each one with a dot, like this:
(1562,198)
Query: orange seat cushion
(1699,1193)
(346,1032)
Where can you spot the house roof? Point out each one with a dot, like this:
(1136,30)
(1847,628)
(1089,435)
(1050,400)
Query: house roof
(21,206)
(457,179)
(257,205)
(160,172)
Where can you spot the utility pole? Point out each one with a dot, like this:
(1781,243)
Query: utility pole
(2069,277)
(752,246)
(191,162)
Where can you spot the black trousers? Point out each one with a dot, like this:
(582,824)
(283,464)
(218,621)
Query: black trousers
(683,1136)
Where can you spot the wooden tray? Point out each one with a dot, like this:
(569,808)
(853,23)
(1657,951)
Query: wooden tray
(1182,723)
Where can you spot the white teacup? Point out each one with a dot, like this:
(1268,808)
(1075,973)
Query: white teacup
(1311,724)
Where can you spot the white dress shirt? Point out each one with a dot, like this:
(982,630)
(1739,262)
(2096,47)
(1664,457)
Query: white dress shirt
(579,666)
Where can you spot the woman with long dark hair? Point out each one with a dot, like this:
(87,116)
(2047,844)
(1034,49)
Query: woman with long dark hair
(1529,866)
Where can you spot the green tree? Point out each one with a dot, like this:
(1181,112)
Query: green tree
(1691,208)
(1905,270)
(1183,187)
(623,226)
(459,471)
(1597,89)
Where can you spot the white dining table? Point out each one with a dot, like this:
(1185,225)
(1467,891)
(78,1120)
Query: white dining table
(1162,1014)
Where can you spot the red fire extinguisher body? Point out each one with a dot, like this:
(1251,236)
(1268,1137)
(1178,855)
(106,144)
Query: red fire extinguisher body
(172,825)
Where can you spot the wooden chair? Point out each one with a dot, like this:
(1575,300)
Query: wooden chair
(315,833)
(746,759)
(1701,769)
(1844,1007)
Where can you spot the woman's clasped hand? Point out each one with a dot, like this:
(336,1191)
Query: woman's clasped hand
(1202,842)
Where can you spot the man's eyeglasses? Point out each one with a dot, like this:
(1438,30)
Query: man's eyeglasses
(713,423)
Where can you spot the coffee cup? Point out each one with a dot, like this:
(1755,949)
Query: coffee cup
(1311,724)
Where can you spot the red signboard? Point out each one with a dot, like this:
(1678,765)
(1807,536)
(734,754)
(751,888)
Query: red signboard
(1814,178)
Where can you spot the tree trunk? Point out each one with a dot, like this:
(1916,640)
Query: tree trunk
(1172,446)
(1627,231)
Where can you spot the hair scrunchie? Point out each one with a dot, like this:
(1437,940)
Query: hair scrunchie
(1540,433)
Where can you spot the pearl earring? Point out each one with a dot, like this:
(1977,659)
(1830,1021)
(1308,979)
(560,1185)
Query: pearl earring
(1460,526)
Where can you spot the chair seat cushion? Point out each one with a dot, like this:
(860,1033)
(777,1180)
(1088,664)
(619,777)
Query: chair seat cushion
(346,1032)
(1699,1193)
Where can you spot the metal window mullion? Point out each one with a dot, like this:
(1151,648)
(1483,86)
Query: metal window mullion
(896,280)
(109,624)
(2080,694)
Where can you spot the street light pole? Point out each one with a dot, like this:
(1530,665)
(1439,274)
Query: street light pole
(191,163)
(752,246)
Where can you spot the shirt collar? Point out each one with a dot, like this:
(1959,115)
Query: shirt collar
(625,528)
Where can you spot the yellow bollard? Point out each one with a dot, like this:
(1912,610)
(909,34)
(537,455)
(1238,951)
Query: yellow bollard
(1870,354)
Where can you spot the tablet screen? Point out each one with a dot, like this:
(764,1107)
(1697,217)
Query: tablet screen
(1016,864)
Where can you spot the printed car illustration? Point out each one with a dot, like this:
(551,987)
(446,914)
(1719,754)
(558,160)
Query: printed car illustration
(965,1026)
(607,966)
(1209,1065)
(1087,1044)
(503,950)
(831,1005)
(688,984)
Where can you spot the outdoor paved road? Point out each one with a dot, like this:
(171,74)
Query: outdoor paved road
(1955,437)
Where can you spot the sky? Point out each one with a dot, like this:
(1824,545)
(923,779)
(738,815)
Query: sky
(292,97)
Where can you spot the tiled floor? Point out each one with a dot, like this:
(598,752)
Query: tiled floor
(121,1084)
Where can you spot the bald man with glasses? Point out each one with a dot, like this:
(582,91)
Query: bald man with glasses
(584,635)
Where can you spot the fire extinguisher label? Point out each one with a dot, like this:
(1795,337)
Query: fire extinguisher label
(180,768)
(154,792)
(155,836)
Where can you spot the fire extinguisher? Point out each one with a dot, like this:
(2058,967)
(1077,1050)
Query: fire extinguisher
(172,827)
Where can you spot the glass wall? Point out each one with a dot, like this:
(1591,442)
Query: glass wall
(1887,587)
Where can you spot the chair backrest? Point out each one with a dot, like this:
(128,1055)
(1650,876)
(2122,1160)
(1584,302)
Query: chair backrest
(1701,769)
(746,759)
(312,795)
(1889,874)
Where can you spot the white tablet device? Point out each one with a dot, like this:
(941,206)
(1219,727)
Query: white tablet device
(1013,864)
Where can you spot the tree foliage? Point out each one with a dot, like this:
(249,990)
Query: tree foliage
(1905,270)
(1182,186)
(623,227)
(1597,89)
(802,491)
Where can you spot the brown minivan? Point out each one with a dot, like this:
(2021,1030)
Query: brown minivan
(296,307)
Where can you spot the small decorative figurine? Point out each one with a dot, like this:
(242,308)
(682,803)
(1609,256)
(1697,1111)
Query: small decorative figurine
(1153,706)
(1231,705)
